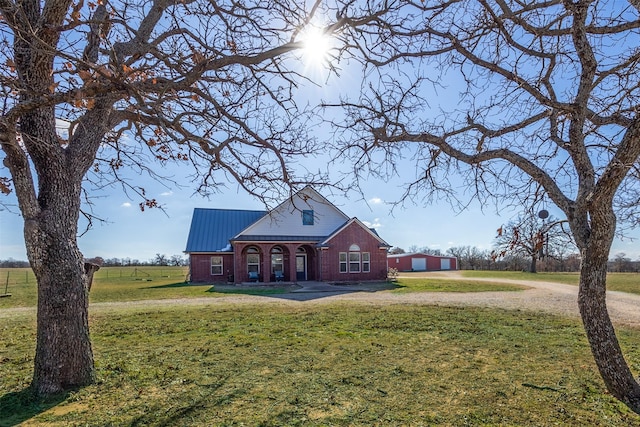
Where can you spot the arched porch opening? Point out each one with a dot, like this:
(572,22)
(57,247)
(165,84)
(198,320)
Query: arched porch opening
(305,262)
(279,268)
(251,264)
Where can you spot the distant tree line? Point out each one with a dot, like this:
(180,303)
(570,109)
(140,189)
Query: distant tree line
(622,264)
(469,258)
(473,258)
(159,259)
(13,263)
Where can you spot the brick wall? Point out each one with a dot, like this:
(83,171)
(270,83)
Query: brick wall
(201,268)
(353,234)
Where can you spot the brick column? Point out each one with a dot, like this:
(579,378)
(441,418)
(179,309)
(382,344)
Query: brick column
(292,263)
(237,263)
(266,264)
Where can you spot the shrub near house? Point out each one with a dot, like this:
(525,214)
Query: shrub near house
(305,238)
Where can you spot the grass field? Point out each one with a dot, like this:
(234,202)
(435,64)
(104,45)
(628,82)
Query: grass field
(112,284)
(317,365)
(150,282)
(406,284)
(109,284)
(292,363)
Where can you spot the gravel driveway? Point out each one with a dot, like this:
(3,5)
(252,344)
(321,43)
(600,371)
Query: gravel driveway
(547,297)
(556,298)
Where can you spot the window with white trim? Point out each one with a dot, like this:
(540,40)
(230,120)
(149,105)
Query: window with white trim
(354,262)
(216,265)
(366,262)
(343,262)
(277,259)
(253,260)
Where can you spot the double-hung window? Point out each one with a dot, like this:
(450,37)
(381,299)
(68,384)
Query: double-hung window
(366,262)
(216,265)
(354,262)
(343,262)
(253,260)
(277,260)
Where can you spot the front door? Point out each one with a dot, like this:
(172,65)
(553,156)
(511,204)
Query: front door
(301,267)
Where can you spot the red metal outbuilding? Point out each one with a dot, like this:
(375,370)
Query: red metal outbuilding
(421,262)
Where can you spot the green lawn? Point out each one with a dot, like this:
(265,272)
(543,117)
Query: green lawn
(340,364)
(109,284)
(288,363)
(148,283)
(406,284)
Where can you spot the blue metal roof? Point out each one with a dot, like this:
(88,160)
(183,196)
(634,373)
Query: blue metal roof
(211,229)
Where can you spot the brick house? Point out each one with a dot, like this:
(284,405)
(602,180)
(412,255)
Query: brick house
(304,238)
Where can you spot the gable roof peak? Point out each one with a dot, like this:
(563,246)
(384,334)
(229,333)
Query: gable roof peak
(354,220)
(286,219)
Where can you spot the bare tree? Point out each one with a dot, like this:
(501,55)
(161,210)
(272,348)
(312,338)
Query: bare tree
(546,104)
(176,260)
(533,238)
(91,91)
(415,249)
(621,263)
(160,259)
(428,251)
(469,257)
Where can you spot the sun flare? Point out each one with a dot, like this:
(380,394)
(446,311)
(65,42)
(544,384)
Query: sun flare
(316,46)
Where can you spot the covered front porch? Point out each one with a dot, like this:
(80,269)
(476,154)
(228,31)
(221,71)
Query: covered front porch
(275,262)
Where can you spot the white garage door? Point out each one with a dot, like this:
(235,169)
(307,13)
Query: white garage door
(445,264)
(418,264)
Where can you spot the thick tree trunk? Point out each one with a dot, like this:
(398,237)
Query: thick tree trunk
(64,359)
(600,332)
(533,264)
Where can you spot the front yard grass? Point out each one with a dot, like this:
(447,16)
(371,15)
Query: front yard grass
(341,364)
(405,284)
(109,284)
(112,284)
